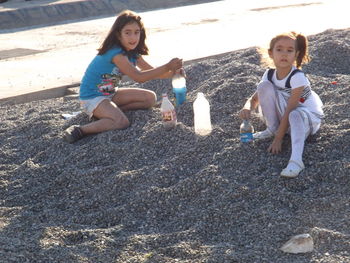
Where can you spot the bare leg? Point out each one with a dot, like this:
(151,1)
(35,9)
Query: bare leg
(110,113)
(110,118)
(134,99)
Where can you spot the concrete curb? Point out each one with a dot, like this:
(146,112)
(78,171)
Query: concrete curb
(55,13)
(46,14)
(38,95)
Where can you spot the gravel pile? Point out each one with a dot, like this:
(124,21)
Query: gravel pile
(148,195)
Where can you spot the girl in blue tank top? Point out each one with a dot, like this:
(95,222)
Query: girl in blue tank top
(121,53)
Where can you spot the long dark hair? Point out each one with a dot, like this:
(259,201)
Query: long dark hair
(125,17)
(301,46)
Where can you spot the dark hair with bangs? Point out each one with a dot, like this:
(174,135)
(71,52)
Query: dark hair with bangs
(125,17)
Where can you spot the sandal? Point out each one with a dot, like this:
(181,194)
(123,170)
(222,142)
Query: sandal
(292,173)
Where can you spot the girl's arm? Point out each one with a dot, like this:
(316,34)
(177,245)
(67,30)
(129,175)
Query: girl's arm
(293,102)
(249,106)
(143,65)
(147,72)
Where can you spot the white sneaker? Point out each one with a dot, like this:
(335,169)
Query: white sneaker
(263,135)
(293,170)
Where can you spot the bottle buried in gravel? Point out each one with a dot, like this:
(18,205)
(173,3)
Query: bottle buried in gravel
(168,113)
(201,110)
(246,131)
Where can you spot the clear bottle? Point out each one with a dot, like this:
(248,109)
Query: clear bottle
(246,131)
(201,110)
(168,113)
(179,88)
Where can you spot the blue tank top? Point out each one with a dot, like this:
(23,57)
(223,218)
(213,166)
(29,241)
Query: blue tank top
(102,76)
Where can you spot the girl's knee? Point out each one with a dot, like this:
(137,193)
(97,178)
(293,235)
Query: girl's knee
(120,123)
(294,115)
(265,86)
(150,99)
(124,123)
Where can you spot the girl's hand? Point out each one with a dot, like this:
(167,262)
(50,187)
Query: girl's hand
(249,105)
(174,64)
(244,114)
(276,146)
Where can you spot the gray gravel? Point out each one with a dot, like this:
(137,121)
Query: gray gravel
(148,195)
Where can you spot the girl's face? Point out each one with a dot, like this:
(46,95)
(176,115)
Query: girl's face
(284,53)
(130,36)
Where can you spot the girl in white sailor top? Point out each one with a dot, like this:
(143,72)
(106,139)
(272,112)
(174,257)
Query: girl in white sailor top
(286,100)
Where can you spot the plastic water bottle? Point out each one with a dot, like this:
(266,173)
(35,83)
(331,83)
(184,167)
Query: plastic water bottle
(179,88)
(168,113)
(246,131)
(201,110)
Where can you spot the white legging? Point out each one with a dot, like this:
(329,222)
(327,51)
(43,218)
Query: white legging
(298,122)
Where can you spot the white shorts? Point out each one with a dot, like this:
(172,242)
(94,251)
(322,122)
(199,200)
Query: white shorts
(90,105)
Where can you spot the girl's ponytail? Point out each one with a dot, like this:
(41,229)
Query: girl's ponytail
(302,48)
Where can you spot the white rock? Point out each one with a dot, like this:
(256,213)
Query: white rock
(299,244)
